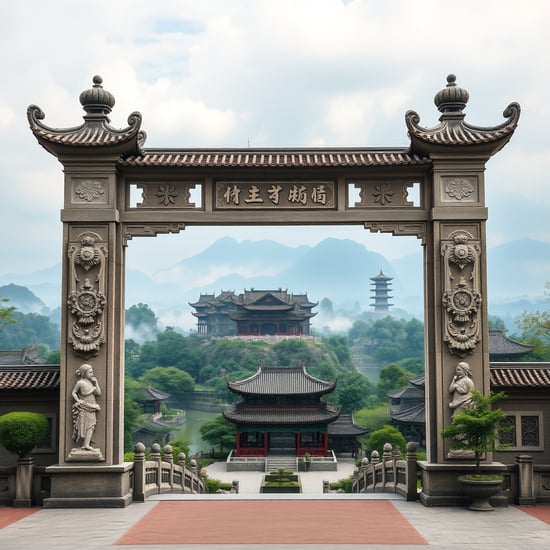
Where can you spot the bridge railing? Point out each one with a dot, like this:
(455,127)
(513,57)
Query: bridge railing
(389,474)
(161,475)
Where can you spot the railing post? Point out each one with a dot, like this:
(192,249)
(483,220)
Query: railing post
(375,460)
(169,457)
(139,473)
(386,457)
(193,466)
(396,455)
(526,495)
(411,472)
(181,463)
(365,474)
(155,456)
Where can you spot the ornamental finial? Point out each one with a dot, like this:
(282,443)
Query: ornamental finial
(96,100)
(452,98)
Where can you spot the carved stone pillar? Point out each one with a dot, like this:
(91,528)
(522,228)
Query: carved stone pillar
(455,276)
(91,470)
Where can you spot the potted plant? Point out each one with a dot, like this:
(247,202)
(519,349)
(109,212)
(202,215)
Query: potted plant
(477,428)
(20,433)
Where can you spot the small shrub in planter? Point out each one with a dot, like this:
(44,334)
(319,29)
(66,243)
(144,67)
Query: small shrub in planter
(21,432)
(342,485)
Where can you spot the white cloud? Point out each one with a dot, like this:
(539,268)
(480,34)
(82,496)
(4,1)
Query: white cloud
(275,73)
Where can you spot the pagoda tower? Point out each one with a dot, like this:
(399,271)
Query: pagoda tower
(381,292)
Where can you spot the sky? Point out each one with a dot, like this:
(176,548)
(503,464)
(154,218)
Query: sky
(263,73)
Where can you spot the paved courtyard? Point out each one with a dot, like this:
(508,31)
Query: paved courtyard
(253,521)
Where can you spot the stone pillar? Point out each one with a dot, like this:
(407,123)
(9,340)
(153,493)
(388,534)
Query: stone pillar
(91,471)
(24,482)
(526,481)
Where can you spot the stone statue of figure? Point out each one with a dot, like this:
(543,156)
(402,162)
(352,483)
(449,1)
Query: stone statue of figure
(85,406)
(461,388)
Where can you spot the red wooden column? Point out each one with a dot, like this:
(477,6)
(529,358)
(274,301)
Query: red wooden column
(238,438)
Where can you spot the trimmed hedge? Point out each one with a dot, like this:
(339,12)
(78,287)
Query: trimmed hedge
(21,432)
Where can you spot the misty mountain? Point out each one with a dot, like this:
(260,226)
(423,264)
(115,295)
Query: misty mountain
(338,269)
(22,298)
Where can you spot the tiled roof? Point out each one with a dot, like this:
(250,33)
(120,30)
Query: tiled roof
(520,376)
(500,344)
(26,377)
(283,415)
(345,425)
(92,133)
(414,414)
(281,381)
(408,392)
(151,394)
(283,158)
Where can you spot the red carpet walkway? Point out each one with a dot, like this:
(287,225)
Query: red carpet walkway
(273,522)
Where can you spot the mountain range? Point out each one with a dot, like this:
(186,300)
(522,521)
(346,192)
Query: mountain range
(337,269)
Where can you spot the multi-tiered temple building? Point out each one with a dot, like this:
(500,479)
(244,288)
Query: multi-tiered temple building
(281,410)
(254,313)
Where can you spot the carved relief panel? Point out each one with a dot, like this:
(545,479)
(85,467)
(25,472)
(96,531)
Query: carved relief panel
(460,190)
(86,296)
(383,193)
(461,292)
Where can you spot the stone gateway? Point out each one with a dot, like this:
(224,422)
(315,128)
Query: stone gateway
(103,169)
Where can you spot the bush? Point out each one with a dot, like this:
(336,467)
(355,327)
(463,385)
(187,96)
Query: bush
(21,432)
(344,485)
(387,434)
(214,485)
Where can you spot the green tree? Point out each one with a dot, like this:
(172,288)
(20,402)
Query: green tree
(392,377)
(373,418)
(219,432)
(170,380)
(538,322)
(6,313)
(30,329)
(386,434)
(477,427)
(352,392)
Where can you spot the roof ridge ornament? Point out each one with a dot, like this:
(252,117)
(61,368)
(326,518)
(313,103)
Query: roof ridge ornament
(95,132)
(452,98)
(453,135)
(96,100)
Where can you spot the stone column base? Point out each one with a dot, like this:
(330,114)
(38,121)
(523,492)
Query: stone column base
(89,486)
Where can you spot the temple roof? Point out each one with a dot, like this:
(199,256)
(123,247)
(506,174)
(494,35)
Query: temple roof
(501,345)
(279,380)
(148,393)
(345,425)
(27,377)
(283,415)
(415,414)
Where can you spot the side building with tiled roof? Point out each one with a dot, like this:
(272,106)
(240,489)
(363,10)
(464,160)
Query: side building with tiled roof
(527,408)
(281,410)
(33,388)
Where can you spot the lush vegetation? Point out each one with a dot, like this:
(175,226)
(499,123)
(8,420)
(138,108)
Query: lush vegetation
(21,432)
